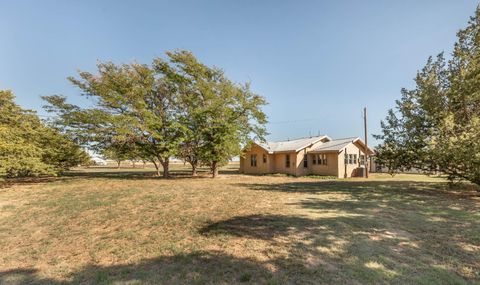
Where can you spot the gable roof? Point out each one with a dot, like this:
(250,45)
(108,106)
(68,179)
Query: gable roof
(339,144)
(290,145)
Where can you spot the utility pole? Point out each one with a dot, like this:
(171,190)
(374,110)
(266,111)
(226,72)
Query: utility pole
(366,140)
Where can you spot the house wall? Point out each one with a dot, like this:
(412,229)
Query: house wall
(330,169)
(350,169)
(242,162)
(279,161)
(300,170)
(261,168)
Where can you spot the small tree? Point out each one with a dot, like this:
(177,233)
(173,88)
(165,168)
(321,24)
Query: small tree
(117,151)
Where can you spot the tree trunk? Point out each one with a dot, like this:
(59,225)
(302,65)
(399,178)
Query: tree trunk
(214,169)
(166,173)
(144,164)
(156,167)
(118,164)
(194,169)
(133,163)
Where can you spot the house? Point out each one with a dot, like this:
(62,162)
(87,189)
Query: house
(318,155)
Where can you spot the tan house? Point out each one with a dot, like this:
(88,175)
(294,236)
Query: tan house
(307,156)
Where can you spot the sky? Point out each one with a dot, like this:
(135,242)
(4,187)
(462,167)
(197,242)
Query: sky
(317,63)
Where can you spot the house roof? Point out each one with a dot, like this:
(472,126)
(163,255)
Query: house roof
(290,145)
(339,144)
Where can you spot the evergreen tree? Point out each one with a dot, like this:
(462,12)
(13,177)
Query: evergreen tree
(436,126)
(29,147)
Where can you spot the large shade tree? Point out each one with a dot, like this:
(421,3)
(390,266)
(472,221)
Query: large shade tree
(436,125)
(174,107)
(218,115)
(131,103)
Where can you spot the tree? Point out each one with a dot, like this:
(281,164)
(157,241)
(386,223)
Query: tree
(118,151)
(175,107)
(29,147)
(60,150)
(219,116)
(133,102)
(436,126)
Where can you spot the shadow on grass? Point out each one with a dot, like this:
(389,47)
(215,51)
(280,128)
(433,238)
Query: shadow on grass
(359,246)
(360,249)
(114,173)
(370,232)
(139,174)
(365,189)
(195,268)
(375,232)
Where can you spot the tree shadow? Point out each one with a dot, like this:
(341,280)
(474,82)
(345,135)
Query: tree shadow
(260,226)
(350,186)
(356,249)
(194,268)
(373,231)
(142,174)
(113,173)
(372,190)
(350,249)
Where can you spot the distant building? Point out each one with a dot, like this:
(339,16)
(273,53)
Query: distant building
(319,155)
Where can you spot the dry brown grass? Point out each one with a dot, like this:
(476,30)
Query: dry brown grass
(127,227)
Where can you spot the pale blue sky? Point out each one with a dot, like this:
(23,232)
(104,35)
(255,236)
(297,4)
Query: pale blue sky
(317,62)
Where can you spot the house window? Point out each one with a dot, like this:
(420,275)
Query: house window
(253,160)
(305,161)
(350,159)
(314,160)
(287,160)
(264,158)
(362,159)
(324,159)
(354,159)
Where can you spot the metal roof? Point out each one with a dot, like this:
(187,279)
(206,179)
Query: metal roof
(339,144)
(301,143)
(335,145)
(290,145)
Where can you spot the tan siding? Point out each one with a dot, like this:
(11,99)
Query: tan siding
(261,167)
(242,162)
(350,168)
(271,163)
(330,169)
(300,170)
(280,159)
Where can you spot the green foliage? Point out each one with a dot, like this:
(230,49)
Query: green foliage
(28,147)
(177,107)
(219,116)
(436,126)
(133,103)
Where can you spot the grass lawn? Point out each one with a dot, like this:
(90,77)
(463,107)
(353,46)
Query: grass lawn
(101,226)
